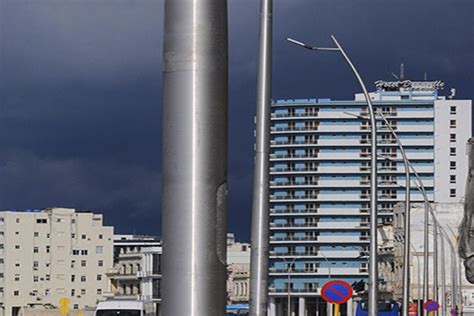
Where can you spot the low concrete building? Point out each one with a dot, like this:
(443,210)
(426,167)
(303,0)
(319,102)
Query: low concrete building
(136,274)
(53,253)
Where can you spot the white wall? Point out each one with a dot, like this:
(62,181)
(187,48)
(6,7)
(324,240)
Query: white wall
(443,145)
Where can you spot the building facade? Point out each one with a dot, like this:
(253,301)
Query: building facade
(54,253)
(238,271)
(320,176)
(136,273)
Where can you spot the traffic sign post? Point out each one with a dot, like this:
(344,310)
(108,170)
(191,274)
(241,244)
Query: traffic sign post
(431,306)
(336,292)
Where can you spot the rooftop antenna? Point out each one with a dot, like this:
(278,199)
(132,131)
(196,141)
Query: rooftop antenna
(402,72)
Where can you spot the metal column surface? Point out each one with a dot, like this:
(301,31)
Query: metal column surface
(194,192)
(260,207)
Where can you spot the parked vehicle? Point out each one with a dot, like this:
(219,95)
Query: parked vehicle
(125,308)
(385,308)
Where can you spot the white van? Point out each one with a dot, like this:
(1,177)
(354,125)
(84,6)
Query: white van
(125,308)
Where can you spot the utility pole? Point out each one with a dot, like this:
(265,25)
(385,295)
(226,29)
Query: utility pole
(194,192)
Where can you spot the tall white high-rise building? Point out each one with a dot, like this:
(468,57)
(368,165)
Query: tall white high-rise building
(320,176)
(50,254)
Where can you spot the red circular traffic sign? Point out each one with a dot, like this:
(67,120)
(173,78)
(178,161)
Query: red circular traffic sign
(431,306)
(336,292)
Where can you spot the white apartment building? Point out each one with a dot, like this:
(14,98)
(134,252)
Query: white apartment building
(320,180)
(136,274)
(49,254)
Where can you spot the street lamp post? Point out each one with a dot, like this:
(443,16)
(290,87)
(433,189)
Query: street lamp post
(289,266)
(373,260)
(407,223)
(418,287)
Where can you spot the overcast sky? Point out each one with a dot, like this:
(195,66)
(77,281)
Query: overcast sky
(80,89)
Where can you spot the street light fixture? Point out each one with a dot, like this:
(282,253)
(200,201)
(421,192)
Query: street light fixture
(373,261)
(289,265)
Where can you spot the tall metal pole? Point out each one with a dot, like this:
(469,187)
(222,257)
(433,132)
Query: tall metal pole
(426,245)
(443,279)
(260,207)
(435,262)
(418,287)
(194,157)
(407,223)
(373,259)
(426,239)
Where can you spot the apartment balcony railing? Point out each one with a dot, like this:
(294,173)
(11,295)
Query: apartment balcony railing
(294,197)
(308,210)
(293,253)
(294,142)
(295,128)
(305,114)
(274,290)
(302,183)
(294,238)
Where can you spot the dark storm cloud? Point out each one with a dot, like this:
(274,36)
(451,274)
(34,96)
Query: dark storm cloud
(80,98)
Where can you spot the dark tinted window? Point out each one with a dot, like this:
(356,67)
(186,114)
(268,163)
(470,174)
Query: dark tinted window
(117,312)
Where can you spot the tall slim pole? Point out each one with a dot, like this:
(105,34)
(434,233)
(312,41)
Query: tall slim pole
(435,262)
(194,157)
(443,279)
(407,223)
(260,207)
(373,260)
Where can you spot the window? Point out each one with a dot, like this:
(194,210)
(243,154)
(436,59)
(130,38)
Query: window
(101,236)
(35,250)
(35,278)
(101,263)
(99,291)
(452,179)
(84,252)
(47,235)
(83,278)
(73,292)
(73,278)
(452,165)
(73,221)
(41,221)
(452,123)
(99,277)
(76,306)
(75,252)
(83,263)
(452,109)
(2,220)
(17,246)
(83,291)
(452,151)
(73,263)
(73,236)
(36,234)
(99,249)
(17,220)
(16,293)
(83,236)
(17,264)
(48,249)
(47,277)
(17,277)
(452,193)
(452,138)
